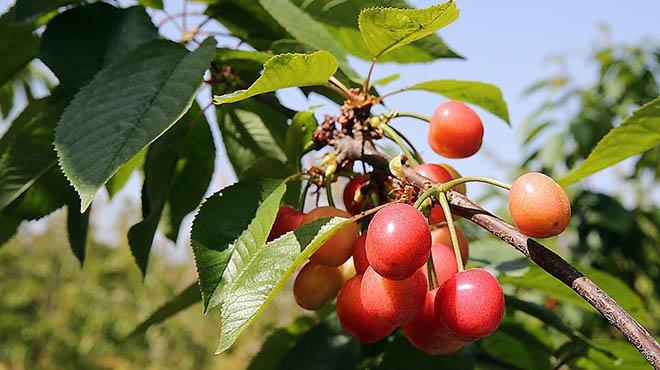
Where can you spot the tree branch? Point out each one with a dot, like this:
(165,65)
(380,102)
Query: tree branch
(355,148)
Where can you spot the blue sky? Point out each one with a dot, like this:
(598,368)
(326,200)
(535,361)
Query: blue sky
(506,43)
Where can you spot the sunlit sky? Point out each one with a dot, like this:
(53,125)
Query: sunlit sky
(507,43)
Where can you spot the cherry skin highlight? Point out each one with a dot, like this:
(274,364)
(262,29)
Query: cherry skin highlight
(354,319)
(470,305)
(393,302)
(398,241)
(338,248)
(360,254)
(287,219)
(539,207)
(441,235)
(437,174)
(455,130)
(424,331)
(353,191)
(317,285)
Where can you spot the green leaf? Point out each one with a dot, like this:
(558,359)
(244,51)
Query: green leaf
(118,180)
(262,272)
(307,30)
(180,302)
(513,351)
(638,133)
(387,79)
(26,149)
(279,343)
(125,107)
(80,42)
(538,279)
(288,70)
(18,50)
(385,29)
(156,4)
(265,168)
(626,356)
(31,10)
(247,211)
(299,136)
(400,354)
(77,226)
(484,95)
(251,130)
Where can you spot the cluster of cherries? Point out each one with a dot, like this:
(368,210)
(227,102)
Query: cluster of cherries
(389,287)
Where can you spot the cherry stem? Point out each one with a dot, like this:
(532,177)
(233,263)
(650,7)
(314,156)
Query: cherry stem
(412,115)
(303,197)
(419,203)
(446,186)
(365,87)
(433,277)
(340,88)
(442,197)
(328,190)
(394,136)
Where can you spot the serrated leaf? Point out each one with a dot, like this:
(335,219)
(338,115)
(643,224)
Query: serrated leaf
(124,108)
(119,179)
(299,136)
(287,70)
(26,149)
(77,225)
(638,133)
(251,130)
(386,29)
(251,285)
(307,30)
(180,302)
(238,216)
(80,42)
(18,49)
(400,354)
(484,95)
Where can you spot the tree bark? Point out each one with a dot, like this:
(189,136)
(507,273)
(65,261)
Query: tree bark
(354,148)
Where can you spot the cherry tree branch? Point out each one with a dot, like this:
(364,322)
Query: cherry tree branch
(355,148)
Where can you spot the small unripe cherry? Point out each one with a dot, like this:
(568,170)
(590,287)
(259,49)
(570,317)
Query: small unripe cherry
(338,248)
(394,302)
(317,285)
(360,254)
(354,319)
(455,130)
(425,332)
(444,262)
(441,235)
(470,305)
(539,206)
(354,198)
(398,241)
(462,188)
(287,219)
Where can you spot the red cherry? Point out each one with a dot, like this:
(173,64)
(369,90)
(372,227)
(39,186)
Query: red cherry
(437,174)
(444,262)
(287,219)
(425,332)
(317,285)
(360,255)
(353,191)
(455,130)
(394,302)
(441,235)
(470,305)
(398,241)
(539,206)
(338,248)
(354,319)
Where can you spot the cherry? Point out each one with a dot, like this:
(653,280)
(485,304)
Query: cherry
(441,235)
(539,206)
(354,199)
(338,248)
(425,332)
(394,302)
(444,262)
(287,219)
(398,241)
(360,254)
(470,305)
(354,319)
(317,285)
(437,174)
(455,130)
(462,188)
